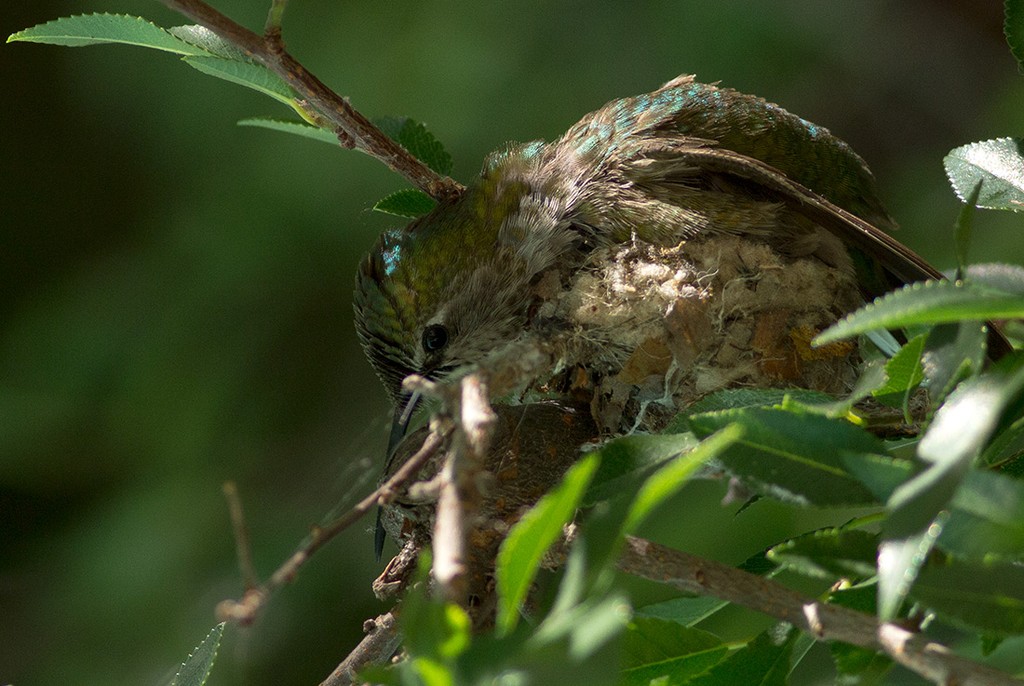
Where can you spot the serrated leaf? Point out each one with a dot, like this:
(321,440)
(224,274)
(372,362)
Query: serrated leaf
(1013,28)
(408,202)
(293,127)
(765,661)
(659,649)
(997,164)
(958,433)
(97,29)
(923,303)
(414,137)
(903,373)
(899,561)
(964,424)
(793,456)
(524,547)
(248,74)
(829,553)
(985,596)
(195,670)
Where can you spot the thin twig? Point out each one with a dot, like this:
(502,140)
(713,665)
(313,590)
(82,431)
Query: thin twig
(460,496)
(381,641)
(244,611)
(821,620)
(243,549)
(272,30)
(353,129)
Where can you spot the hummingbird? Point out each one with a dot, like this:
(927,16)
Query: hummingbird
(674,183)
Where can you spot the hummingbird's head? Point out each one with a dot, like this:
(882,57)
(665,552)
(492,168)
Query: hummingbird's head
(439,295)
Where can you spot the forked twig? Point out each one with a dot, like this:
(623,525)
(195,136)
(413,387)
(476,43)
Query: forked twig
(244,611)
(352,128)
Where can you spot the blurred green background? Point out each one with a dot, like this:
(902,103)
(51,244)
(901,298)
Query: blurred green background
(176,304)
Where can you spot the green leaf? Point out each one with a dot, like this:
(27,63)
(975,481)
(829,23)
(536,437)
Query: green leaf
(985,596)
(294,127)
(433,630)
(997,164)
(952,353)
(829,553)
(881,474)
(659,649)
(685,611)
(928,302)
(1013,28)
(899,561)
(96,29)
(987,518)
(628,460)
(793,456)
(960,430)
(1008,278)
(207,40)
(765,661)
(857,666)
(1005,443)
(414,137)
(248,74)
(521,552)
(408,202)
(667,481)
(904,373)
(195,670)
(963,228)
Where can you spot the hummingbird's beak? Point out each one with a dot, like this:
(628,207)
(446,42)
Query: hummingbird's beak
(400,422)
(399,425)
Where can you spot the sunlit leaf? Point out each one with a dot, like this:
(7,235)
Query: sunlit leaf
(997,164)
(928,302)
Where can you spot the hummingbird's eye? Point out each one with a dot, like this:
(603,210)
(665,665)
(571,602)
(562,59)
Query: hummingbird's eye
(435,337)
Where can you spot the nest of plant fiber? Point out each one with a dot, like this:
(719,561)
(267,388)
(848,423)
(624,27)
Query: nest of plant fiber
(649,329)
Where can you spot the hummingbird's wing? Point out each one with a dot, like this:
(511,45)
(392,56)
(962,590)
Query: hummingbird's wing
(899,264)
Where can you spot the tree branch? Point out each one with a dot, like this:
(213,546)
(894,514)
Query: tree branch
(823,621)
(353,129)
(381,641)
